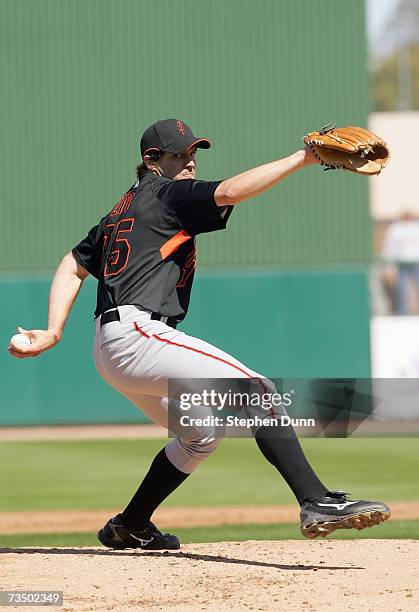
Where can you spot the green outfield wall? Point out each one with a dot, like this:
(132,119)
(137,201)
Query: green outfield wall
(295,324)
(284,289)
(81,79)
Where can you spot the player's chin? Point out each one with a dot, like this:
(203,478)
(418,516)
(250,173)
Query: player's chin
(185,175)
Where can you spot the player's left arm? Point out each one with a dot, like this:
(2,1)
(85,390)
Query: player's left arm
(252,182)
(65,287)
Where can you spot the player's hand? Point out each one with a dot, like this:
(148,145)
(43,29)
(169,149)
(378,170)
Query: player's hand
(309,157)
(41,340)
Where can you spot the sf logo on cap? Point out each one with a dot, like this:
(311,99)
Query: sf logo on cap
(180,127)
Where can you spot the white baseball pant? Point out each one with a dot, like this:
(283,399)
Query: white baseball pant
(138,356)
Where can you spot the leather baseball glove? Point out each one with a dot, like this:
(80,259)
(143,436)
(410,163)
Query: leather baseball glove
(349,148)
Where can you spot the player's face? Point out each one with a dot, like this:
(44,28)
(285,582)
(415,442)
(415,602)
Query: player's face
(178,166)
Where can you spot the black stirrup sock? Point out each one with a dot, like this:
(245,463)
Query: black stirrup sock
(281,447)
(161,480)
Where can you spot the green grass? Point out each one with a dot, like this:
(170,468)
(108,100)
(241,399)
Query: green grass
(104,473)
(234,533)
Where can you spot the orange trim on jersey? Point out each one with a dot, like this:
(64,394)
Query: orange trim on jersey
(173,244)
(189,267)
(123,204)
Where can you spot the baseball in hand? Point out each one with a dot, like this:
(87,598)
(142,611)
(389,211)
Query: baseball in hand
(19,340)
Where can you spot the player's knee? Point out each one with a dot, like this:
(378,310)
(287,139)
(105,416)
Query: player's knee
(201,448)
(269,386)
(187,455)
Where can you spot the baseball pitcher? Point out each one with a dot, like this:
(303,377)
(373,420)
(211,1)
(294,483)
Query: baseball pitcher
(143,255)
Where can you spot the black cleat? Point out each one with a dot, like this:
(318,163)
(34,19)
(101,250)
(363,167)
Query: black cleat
(336,511)
(115,535)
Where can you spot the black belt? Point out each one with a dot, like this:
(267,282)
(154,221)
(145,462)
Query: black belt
(170,321)
(113,315)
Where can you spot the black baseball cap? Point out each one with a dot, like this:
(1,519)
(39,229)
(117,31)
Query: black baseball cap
(170,135)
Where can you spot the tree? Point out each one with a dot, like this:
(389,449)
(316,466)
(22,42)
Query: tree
(396,77)
(389,93)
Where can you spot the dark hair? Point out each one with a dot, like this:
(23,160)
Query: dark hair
(142,168)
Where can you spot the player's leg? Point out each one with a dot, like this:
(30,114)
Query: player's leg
(154,353)
(132,528)
(322,511)
(158,353)
(402,291)
(281,447)
(169,468)
(171,354)
(182,356)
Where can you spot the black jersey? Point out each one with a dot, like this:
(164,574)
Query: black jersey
(143,252)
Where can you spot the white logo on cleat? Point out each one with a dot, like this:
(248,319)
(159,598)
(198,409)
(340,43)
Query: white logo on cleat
(142,542)
(339,506)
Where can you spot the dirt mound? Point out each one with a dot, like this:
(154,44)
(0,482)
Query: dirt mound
(365,575)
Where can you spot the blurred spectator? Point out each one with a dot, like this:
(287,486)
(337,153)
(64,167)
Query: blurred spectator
(401,252)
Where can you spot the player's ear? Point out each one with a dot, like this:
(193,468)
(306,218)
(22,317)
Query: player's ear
(151,158)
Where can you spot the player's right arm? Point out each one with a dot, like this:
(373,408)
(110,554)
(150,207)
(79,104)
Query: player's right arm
(65,286)
(83,260)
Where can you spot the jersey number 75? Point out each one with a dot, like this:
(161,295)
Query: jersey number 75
(120,251)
